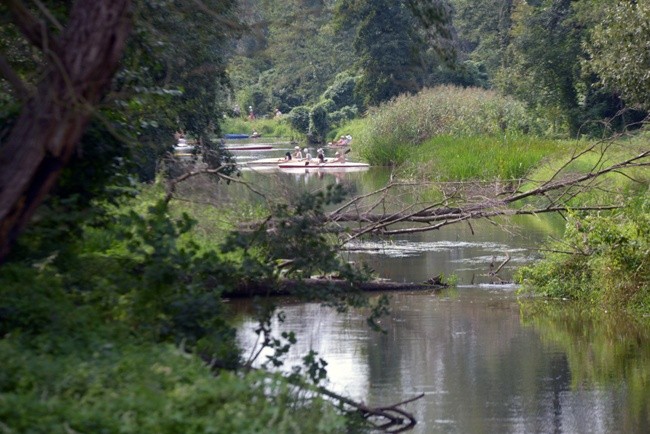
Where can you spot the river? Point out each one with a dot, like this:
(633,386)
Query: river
(485,359)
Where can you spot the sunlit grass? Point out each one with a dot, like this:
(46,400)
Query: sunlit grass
(618,185)
(449,158)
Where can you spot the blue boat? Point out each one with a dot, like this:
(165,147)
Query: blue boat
(236,136)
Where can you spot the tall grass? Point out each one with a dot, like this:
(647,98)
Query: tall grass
(410,120)
(618,186)
(449,158)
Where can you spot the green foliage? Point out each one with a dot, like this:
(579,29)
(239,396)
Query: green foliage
(341,92)
(343,115)
(392,45)
(602,259)
(172,78)
(484,26)
(618,50)
(318,120)
(299,119)
(291,54)
(121,386)
(86,337)
(444,110)
(543,64)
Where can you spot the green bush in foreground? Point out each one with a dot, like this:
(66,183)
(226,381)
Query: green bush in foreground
(603,259)
(123,328)
(124,387)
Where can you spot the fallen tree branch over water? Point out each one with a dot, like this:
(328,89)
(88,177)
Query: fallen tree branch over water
(292,286)
(397,208)
(390,419)
(476,204)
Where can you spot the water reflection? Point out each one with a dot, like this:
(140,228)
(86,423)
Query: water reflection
(605,350)
(464,250)
(481,367)
(484,362)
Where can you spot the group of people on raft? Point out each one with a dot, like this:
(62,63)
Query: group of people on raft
(298,155)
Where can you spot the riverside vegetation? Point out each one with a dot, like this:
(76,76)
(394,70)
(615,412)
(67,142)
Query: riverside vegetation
(106,330)
(454,134)
(111,310)
(122,327)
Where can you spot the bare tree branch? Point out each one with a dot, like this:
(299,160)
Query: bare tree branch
(173,183)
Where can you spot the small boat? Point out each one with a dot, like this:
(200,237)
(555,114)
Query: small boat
(322,166)
(248,147)
(236,136)
(273,161)
(182,148)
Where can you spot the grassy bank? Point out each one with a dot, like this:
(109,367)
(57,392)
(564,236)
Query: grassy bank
(411,120)
(449,158)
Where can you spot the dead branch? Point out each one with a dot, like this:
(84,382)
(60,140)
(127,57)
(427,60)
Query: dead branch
(503,263)
(392,419)
(434,216)
(173,183)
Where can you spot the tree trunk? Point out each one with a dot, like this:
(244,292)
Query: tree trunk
(81,62)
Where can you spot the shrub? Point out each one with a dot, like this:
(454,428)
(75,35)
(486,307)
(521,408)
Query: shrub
(603,259)
(341,92)
(319,124)
(299,119)
(345,114)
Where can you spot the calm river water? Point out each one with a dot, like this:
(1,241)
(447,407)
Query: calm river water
(486,360)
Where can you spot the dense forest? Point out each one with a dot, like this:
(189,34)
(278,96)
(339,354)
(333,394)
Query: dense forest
(555,56)
(112,316)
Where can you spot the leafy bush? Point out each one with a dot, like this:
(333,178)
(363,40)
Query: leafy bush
(345,114)
(125,333)
(128,387)
(603,259)
(341,92)
(299,119)
(319,125)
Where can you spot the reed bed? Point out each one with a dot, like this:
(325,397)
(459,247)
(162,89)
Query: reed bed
(451,158)
(410,120)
